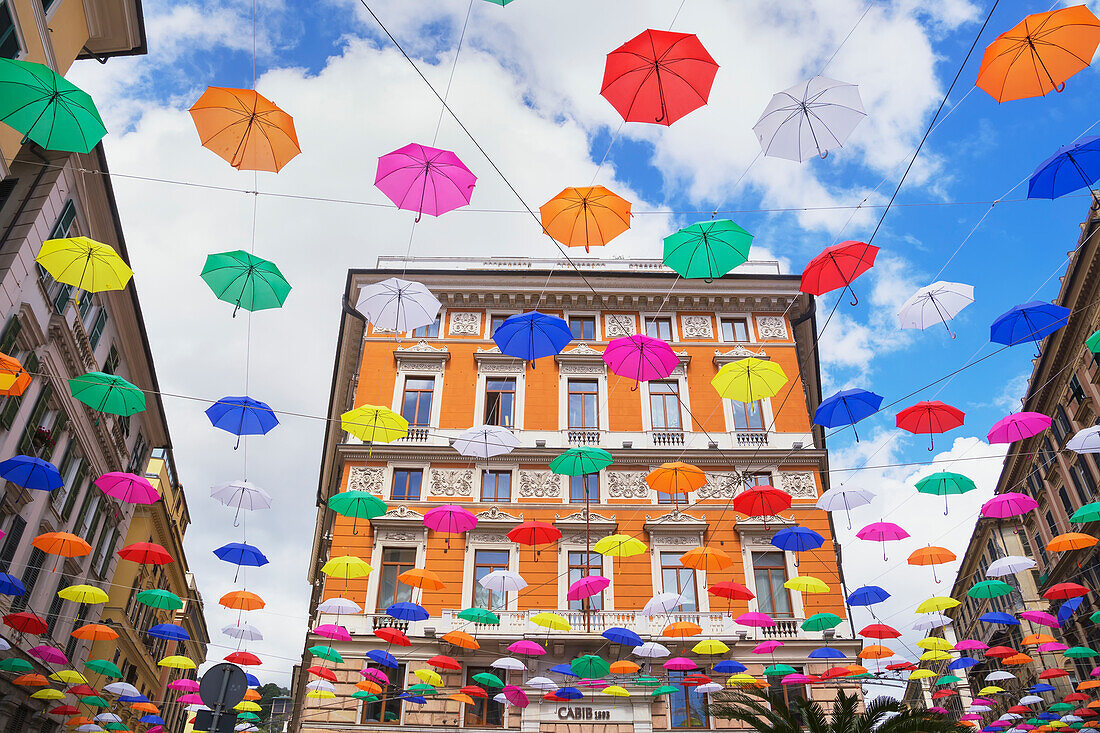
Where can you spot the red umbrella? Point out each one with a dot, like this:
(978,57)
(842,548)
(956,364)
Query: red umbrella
(837,266)
(658,76)
(879,631)
(1065,591)
(82,690)
(444,662)
(1049,674)
(243,659)
(393,636)
(1075,697)
(731,591)
(474,691)
(940,694)
(26,622)
(64,710)
(762,501)
(896,666)
(146,553)
(323,672)
(1000,652)
(533,533)
(930,417)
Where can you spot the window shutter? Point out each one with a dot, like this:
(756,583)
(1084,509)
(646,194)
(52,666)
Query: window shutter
(26,443)
(11,404)
(74,490)
(10,333)
(59,425)
(11,542)
(30,578)
(54,612)
(97,328)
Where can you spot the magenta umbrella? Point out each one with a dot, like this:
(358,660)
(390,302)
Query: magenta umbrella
(970,644)
(48,654)
(882,532)
(525,646)
(516,696)
(185,685)
(1018,426)
(1009,504)
(593,683)
(1095,672)
(425,180)
(449,519)
(191,699)
(970,716)
(755,619)
(1040,617)
(936,709)
(796,679)
(767,647)
(128,488)
(333,631)
(640,358)
(679,664)
(587,586)
(376,674)
(1053,646)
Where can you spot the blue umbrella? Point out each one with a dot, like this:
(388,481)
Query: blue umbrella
(867,595)
(797,539)
(31,473)
(405,611)
(730,666)
(11,585)
(530,336)
(563,669)
(132,698)
(847,407)
(378,656)
(1066,609)
(618,635)
(997,617)
(242,416)
(1032,321)
(569,693)
(253,680)
(962,663)
(1041,687)
(413,698)
(151,720)
(1072,166)
(826,652)
(169,632)
(240,554)
(1047,716)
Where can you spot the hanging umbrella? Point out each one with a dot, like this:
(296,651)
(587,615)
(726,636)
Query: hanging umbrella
(31,473)
(531,336)
(83,594)
(1009,566)
(837,266)
(242,600)
(676,478)
(867,595)
(945,483)
(821,622)
(242,416)
(532,533)
(936,303)
(373,424)
(398,305)
(159,598)
(1072,167)
(346,567)
(1032,321)
(94,632)
(357,505)
(706,559)
(107,393)
(708,249)
(731,591)
(1085,441)
(527,648)
(425,180)
(450,519)
(240,553)
(762,501)
(1018,426)
(841,497)
(1086,513)
(62,544)
(809,119)
(1008,504)
(882,532)
(479,616)
(339,606)
(806,584)
(651,650)
(407,611)
(931,556)
(797,539)
(169,632)
(14,379)
(242,495)
(586,587)
(847,407)
(84,263)
(245,280)
(245,129)
(581,461)
(755,619)
(47,108)
(128,488)
(749,380)
(588,216)
(1038,55)
(503,581)
(1070,541)
(485,441)
(640,358)
(625,637)
(422,579)
(619,545)
(930,417)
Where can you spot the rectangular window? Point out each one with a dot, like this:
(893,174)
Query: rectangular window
(500,401)
(495,322)
(98,327)
(103,558)
(38,418)
(485,712)
(12,404)
(31,574)
(9,37)
(748,415)
(496,486)
(110,364)
(687,708)
(1076,391)
(675,578)
(659,328)
(584,404)
(395,560)
(583,327)
(580,485)
(664,405)
(735,330)
(387,710)
(788,695)
(756,479)
(139,456)
(11,542)
(485,562)
(74,487)
(430,331)
(406,484)
(416,406)
(770,571)
(581,566)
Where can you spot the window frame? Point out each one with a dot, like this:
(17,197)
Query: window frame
(511,425)
(16,31)
(397,584)
(677,410)
(671,561)
(733,320)
(770,592)
(734,408)
(470,716)
(690,698)
(419,392)
(409,470)
(431,331)
(594,395)
(593,567)
(489,601)
(660,319)
(388,701)
(584,317)
(495,497)
(593,487)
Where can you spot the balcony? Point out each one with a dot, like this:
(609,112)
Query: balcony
(668,438)
(751,438)
(582,436)
(416,435)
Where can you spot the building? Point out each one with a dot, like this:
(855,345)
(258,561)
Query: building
(449,376)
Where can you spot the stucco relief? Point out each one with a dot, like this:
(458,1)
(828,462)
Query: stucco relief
(696,327)
(465,324)
(615,325)
(539,485)
(626,485)
(721,486)
(800,485)
(452,482)
(365,478)
(771,327)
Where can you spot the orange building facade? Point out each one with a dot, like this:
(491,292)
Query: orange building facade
(450,376)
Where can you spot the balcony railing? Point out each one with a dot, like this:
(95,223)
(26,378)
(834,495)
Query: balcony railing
(752,438)
(416,435)
(668,438)
(582,436)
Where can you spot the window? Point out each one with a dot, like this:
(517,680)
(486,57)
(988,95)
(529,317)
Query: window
(105,550)
(580,485)
(11,542)
(496,486)
(388,709)
(47,4)
(395,560)
(485,712)
(1076,391)
(583,327)
(1061,426)
(770,571)
(97,328)
(659,328)
(406,484)
(9,36)
(1065,501)
(39,418)
(686,707)
(735,330)
(139,456)
(485,562)
(1086,485)
(756,479)
(110,364)
(12,404)
(500,401)
(581,566)
(430,331)
(584,404)
(748,415)
(675,578)
(789,695)
(416,407)
(664,405)
(31,573)
(495,321)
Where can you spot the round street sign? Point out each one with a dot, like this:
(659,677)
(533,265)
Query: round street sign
(223,684)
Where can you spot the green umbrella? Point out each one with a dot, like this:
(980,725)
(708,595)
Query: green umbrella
(581,461)
(361,695)
(488,679)
(821,622)
(590,667)
(15,664)
(646,682)
(1087,513)
(1079,652)
(663,690)
(1060,707)
(44,106)
(103,667)
(107,393)
(326,652)
(251,716)
(115,726)
(423,688)
(479,616)
(245,280)
(1077,725)
(95,701)
(501,3)
(1093,342)
(165,600)
(357,505)
(989,589)
(779,670)
(945,483)
(947,679)
(708,249)
(1095,617)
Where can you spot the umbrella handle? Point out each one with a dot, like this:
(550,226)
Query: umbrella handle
(931,442)
(823,154)
(1060,87)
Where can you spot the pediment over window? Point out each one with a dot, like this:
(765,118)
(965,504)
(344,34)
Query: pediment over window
(737,353)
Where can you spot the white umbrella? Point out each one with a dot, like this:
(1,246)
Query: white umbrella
(243,631)
(87,728)
(978,709)
(338,606)
(1030,699)
(322,685)
(4,645)
(398,305)
(542,683)
(932,621)
(709,687)
(1009,566)
(662,603)
(809,119)
(1086,441)
(123,689)
(999,675)
(107,718)
(1071,719)
(840,497)
(242,495)
(503,581)
(485,441)
(501,698)
(935,304)
(1011,716)
(651,650)
(509,663)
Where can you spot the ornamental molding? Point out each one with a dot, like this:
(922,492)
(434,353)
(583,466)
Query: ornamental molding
(800,485)
(494,514)
(762,526)
(401,517)
(489,538)
(681,368)
(422,357)
(617,325)
(696,327)
(539,485)
(627,485)
(675,520)
(492,360)
(675,539)
(721,486)
(582,350)
(451,482)
(737,353)
(585,518)
(366,478)
(771,327)
(581,360)
(759,540)
(465,323)
(580,538)
(402,536)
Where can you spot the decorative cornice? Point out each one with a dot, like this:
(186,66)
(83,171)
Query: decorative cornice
(492,360)
(675,521)
(585,517)
(400,516)
(737,353)
(496,516)
(581,360)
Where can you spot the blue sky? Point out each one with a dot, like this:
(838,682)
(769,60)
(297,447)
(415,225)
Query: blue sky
(527,84)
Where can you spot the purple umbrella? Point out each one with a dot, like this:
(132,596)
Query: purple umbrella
(1040,617)
(48,654)
(755,619)
(640,358)
(425,180)
(1009,504)
(1018,426)
(524,646)
(128,488)
(587,586)
(882,532)
(680,664)
(515,696)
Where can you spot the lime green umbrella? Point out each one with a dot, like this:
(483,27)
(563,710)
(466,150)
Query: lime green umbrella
(779,670)
(165,600)
(989,589)
(326,652)
(1093,342)
(708,249)
(821,621)
(104,667)
(107,393)
(15,664)
(1080,652)
(590,667)
(945,483)
(44,106)
(947,679)
(357,505)
(95,701)
(663,690)
(245,280)
(488,679)
(1087,513)
(581,461)
(479,616)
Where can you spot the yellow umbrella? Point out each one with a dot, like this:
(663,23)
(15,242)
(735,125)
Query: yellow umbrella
(315,694)
(177,662)
(615,691)
(551,621)
(619,545)
(429,677)
(935,604)
(69,677)
(935,642)
(87,594)
(374,424)
(749,380)
(806,584)
(740,679)
(920,674)
(346,567)
(934,655)
(990,690)
(84,263)
(710,646)
(48,694)
(251,707)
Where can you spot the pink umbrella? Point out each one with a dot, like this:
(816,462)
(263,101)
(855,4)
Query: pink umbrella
(191,699)
(1040,617)
(48,654)
(376,674)
(425,180)
(982,701)
(1018,426)
(1095,672)
(755,619)
(767,647)
(1009,504)
(155,729)
(640,358)
(1053,646)
(882,532)
(184,685)
(587,586)
(524,646)
(970,716)
(1027,726)
(938,709)
(450,519)
(128,488)
(516,696)
(679,664)
(796,679)
(593,683)
(970,644)
(333,631)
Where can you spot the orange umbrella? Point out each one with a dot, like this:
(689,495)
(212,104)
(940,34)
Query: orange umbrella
(146,707)
(95,632)
(1088,685)
(245,129)
(251,694)
(857,669)
(705,558)
(1016,659)
(61,543)
(676,477)
(876,651)
(78,720)
(681,629)
(423,579)
(931,555)
(461,697)
(1039,54)
(1037,639)
(624,666)
(13,378)
(370,686)
(585,217)
(242,600)
(461,639)
(31,680)
(1071,541)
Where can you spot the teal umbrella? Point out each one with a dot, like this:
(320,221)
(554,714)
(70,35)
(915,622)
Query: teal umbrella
(989,589)
(488,679)
(357,505)
(326,652)
(581,461)
(1087,513)
(945,483)
(245,280)
(590,667)
(708,249)
(48,109)
(1080,652)
(779,670)
(107,393)
(821,621)
(479,616)
(663,690)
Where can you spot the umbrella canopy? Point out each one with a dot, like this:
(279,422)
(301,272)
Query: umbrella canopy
(619,545)
(989,589)
(1018,426)
(397,305)
(31,473)
(1072,167)
(930,417)
(450,519)
(1085,441)
(84,263)
(708,249)
(531,336)
(706,559)
(935,304)
(534,533)
(245,129)
(676,478)
(587,586)
(242,416)
(128,488)
(837,267)
(14,379)
(357,505)
(164,600)
(1008,504)
(1031,321)
(425,180)
(931,556)
(552,621)
(847,407)
(47,108)
(485,441)
(626,637)
(882,532)
(241,553)
(346,567)
(63,544)
(821,621)
(640,358)
(797,539)
(581,461)
(242,495)
(867,595)
(503,581)
(806,584)
(84,594)
(588,216)
(1038,55)
(242,600)
(245,280)
(479,616)
(1071,541)
(107,393)
(1009,566)
(762,501)
(421,578)
(945,483)
(94,632)
(749,380)
(339,606)
(373,424)
(170,632)
(809,119)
